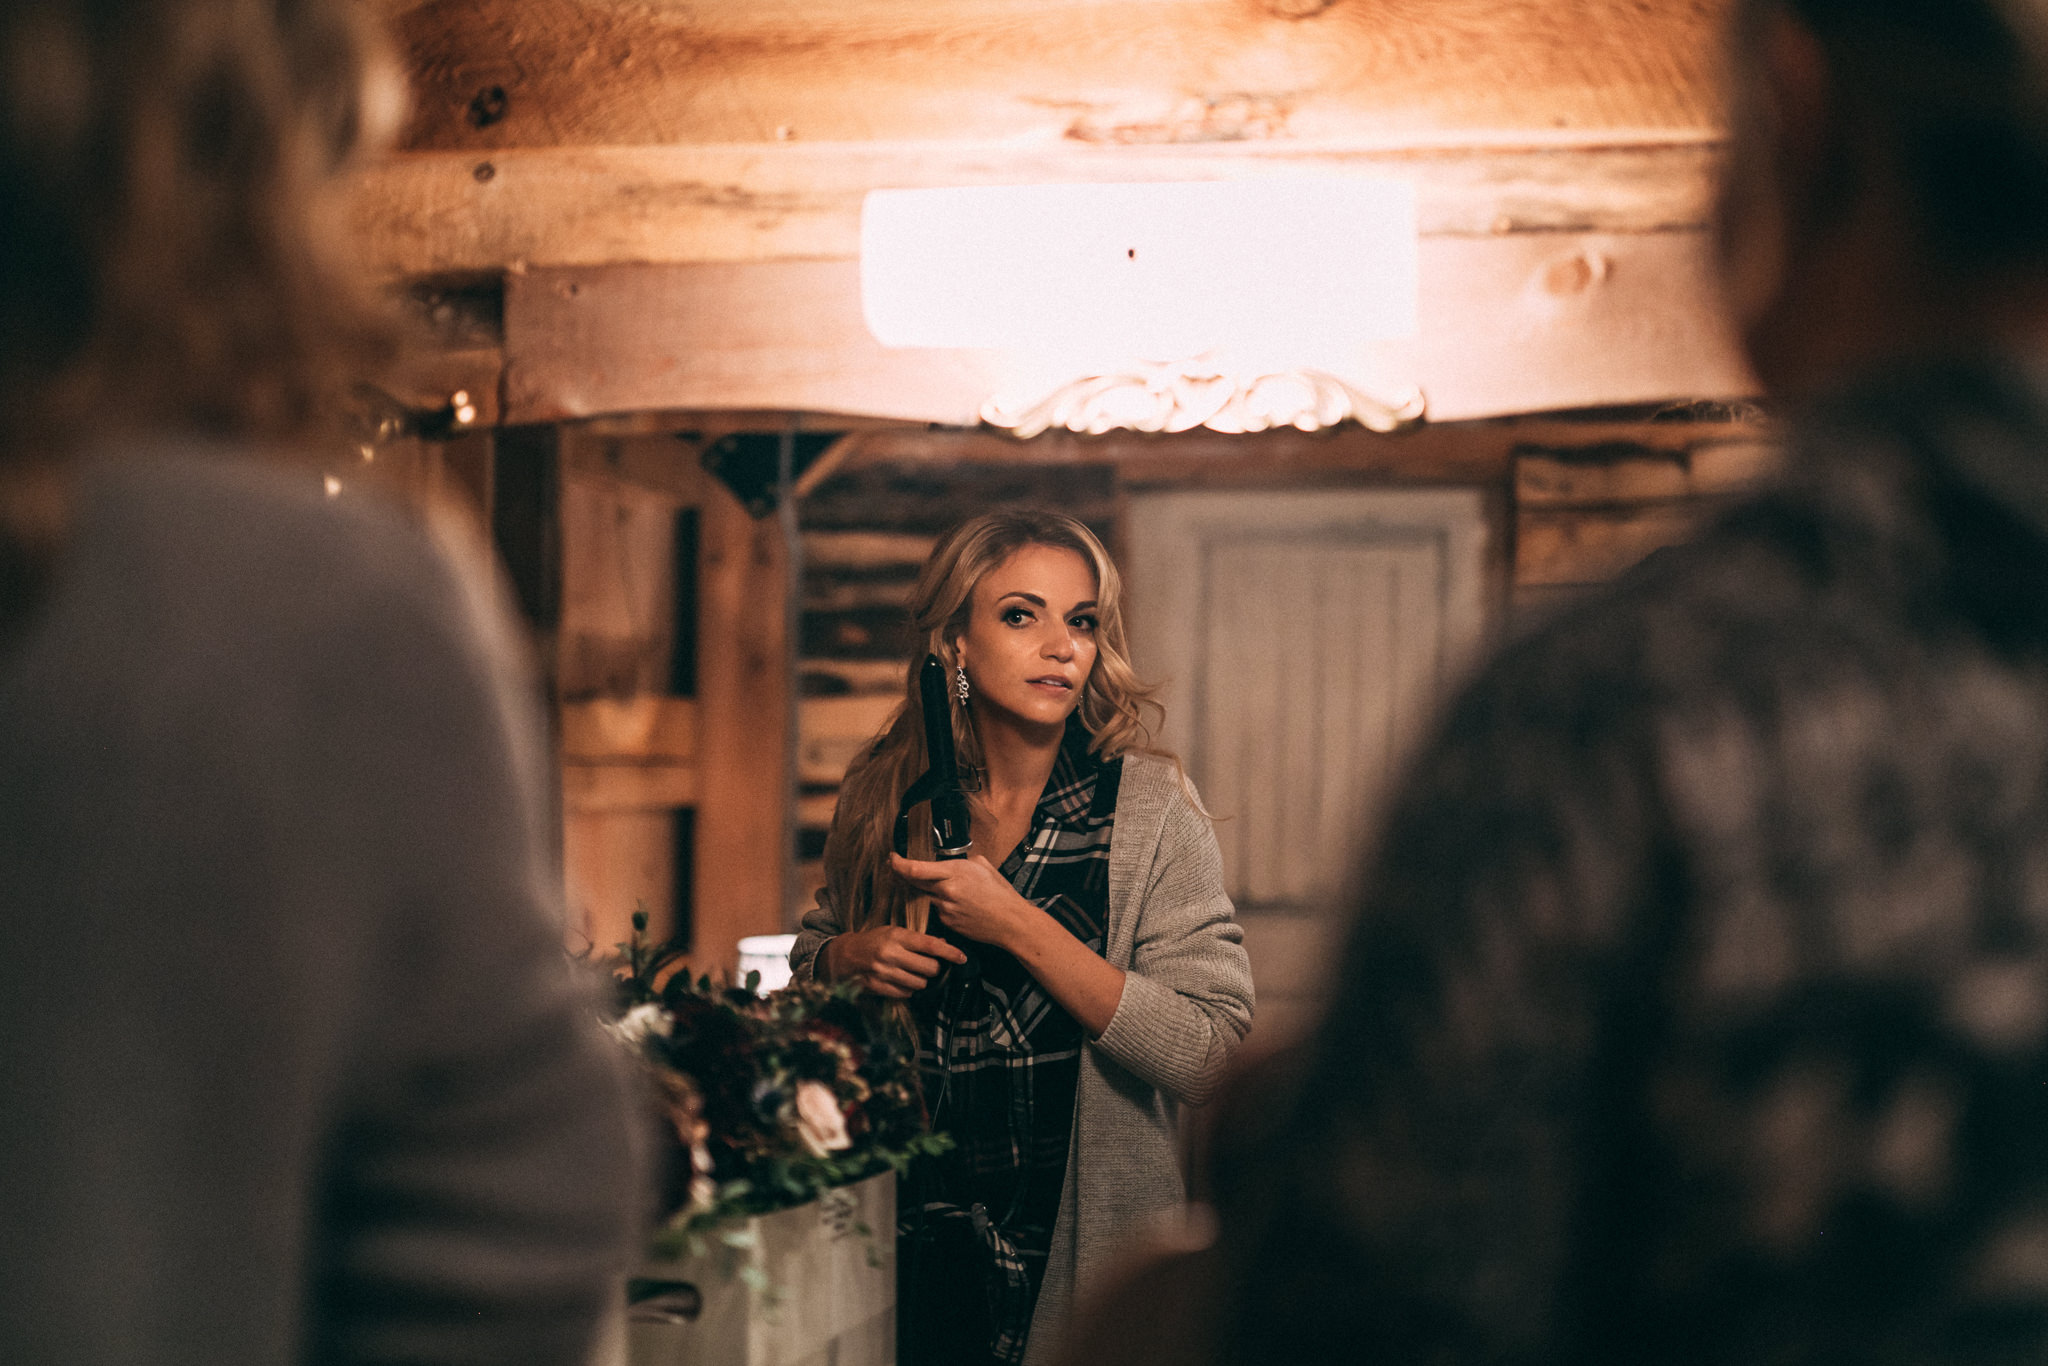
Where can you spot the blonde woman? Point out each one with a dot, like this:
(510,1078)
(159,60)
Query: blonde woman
(1072,981)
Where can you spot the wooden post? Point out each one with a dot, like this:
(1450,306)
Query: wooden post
(743,699)
(526,520)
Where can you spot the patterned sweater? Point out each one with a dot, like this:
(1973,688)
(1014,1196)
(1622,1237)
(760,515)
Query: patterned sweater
(1697,1005)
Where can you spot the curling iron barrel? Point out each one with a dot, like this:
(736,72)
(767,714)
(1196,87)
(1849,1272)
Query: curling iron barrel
(951,830)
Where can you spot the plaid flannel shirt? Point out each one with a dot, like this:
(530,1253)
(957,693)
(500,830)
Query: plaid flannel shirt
(1000,1060)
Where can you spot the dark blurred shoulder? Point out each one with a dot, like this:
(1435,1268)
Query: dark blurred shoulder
(1160,1312)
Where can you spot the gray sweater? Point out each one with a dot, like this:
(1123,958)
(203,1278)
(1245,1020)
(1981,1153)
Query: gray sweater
(1187,1002)
(293,1067)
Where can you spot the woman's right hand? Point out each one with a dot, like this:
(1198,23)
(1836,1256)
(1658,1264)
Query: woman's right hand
(888,959)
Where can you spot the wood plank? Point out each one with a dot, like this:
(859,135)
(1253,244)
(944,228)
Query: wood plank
(911,497)
(665,464)
(592,787)
(1460,453)
(787,335)
(619,588)
(814,810)
(743,831)
(832,731)
(839,677)
(1581,546)
(1710,455)
(495,73)
(865,548)
(834,593)
(1605,474)
(646,729)
(616,862)
(1516,324)
(427,213)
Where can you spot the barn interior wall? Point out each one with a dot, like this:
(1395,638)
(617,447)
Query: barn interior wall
(1576,502)
(680,801)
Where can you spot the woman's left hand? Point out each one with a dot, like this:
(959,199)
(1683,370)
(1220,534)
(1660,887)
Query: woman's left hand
(970,897)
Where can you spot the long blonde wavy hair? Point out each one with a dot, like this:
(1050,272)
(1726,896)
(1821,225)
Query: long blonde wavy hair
(1117,710)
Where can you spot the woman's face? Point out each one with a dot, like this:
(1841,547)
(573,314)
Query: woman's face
(1030,640)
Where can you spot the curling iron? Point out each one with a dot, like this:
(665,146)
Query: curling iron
(940,785)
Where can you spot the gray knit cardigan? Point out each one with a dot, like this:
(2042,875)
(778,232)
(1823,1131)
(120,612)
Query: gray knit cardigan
(1187,1002)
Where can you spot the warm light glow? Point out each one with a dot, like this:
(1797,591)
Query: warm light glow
(1286,271)
(767,954)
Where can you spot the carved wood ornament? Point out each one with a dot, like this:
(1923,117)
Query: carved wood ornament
(1180,396)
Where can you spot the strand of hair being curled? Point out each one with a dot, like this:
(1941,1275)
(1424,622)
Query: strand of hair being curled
(1117,710)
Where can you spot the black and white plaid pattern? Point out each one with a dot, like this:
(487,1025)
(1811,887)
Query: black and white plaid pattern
(1000,1060)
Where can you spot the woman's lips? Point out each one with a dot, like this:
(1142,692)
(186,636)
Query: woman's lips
(1052,684)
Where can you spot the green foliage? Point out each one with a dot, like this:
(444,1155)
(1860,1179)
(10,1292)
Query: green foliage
(728,1068)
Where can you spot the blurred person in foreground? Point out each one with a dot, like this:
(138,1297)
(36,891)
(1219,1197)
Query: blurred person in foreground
(1696,1009)
(293,1067)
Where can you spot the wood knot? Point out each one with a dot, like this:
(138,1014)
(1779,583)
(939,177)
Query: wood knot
(488,106)
(1574,274)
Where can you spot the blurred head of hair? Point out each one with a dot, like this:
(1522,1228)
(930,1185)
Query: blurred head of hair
(1952,95)
(172,254)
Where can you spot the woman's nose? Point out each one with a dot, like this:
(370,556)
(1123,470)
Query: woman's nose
(1060,644)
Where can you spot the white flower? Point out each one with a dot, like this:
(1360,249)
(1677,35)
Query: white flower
(636,1024)
(703,1190)
(819,1121)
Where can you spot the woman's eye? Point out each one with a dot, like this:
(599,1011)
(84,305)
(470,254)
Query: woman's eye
(1083,623)
(1016,616)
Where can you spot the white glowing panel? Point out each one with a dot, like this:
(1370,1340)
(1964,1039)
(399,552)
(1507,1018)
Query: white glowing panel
(1290,267)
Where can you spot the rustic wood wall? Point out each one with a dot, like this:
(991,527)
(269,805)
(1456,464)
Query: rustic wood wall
(674,687)
(672,193)
(508,73)
(1577,499)
(673,693)
(609,207)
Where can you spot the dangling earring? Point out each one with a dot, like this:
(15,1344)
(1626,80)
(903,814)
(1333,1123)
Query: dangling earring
(960,683)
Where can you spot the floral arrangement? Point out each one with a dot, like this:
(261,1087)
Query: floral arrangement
(770,1100)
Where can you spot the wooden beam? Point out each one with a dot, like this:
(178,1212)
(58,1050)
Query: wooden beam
(785,335)
(862,549)
(496,73)
(1451,453)
(646,729)
(829,463)
(524,207)
(1514,324)
(744,716)
(1595,475)
(598,787)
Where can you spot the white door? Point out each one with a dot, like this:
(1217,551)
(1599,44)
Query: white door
(1304,640)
